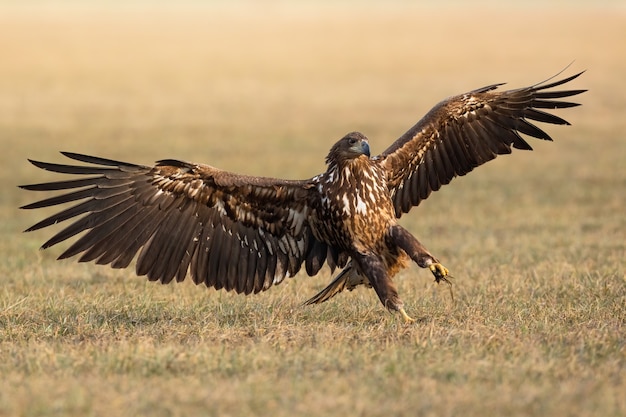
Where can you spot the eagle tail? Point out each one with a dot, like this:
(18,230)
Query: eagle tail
(348,279)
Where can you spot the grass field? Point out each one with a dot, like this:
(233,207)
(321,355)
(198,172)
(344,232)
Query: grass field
(536,241)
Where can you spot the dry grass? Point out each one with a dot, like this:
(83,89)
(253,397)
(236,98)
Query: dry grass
(536,240)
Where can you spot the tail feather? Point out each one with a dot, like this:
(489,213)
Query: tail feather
(348,278)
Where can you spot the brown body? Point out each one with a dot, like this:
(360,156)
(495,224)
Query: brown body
(357,217)
(246,233)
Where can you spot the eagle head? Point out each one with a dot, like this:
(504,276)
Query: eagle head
(351,146)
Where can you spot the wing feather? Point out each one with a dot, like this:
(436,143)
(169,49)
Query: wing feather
(214,258)
(250,264)
(230,265)
(200,257)
(466,131)
(446,155)
(240,258)
(226,230)
(271,268)
(457,148)
(261,266)
(141,234)
(316,258)
(155,255)
(112,247)
(188,228)
(98,239)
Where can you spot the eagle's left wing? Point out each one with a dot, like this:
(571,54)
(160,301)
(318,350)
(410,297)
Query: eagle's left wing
(465,131)
(226,230)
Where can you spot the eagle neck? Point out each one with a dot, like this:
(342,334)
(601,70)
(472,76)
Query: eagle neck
(352,165)
(351,173)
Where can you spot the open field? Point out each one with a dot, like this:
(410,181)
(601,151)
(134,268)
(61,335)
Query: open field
(536,240)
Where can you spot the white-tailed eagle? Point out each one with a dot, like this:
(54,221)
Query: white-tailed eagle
(246,233)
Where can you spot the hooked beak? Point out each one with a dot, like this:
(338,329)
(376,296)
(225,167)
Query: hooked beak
(365,148)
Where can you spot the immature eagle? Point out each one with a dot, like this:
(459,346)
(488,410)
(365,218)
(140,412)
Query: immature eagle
(247,233)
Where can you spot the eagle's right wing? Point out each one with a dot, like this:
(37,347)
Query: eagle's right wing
(229,231)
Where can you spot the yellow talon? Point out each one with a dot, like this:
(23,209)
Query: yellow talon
(439,271)
(406,317)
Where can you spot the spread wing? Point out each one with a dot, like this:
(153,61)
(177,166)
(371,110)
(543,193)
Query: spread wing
(228,231)
(465,131)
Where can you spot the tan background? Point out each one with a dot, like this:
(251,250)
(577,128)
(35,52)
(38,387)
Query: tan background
(535,240)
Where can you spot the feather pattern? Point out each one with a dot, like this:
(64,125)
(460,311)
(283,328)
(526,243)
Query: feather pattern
(465,131)
(181,217)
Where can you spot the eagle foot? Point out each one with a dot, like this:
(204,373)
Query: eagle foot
(407,319)
(439,271)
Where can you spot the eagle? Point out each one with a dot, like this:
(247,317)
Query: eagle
(246,233)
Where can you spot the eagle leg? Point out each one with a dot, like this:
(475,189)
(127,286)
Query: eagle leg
(374,268)
(418,253)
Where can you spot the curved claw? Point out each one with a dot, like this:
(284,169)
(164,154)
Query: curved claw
(407,319)
(439,271)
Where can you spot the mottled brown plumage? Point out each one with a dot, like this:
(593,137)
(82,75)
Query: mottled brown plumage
(247,233)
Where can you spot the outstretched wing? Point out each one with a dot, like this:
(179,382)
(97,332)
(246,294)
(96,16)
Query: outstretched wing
(229,231)
(465,131)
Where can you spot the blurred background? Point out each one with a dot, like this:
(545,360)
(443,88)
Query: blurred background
(265,88)
(536,241)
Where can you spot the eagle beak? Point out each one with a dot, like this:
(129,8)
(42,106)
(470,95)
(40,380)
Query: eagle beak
(365,148)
